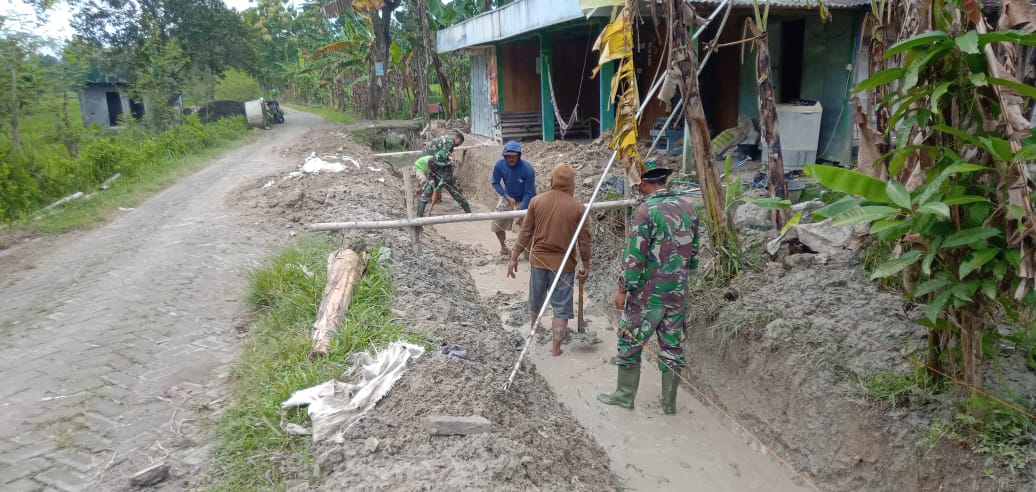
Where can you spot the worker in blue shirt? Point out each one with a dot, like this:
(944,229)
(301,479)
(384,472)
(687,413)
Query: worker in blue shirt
(515,181)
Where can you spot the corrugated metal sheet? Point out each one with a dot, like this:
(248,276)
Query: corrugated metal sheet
(481,109)
(802,4)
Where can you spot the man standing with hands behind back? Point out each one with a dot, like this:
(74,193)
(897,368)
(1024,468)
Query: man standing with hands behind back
(517,190)
(661,252)
(552,220)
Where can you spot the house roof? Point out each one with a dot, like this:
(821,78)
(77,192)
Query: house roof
(803,4)
(525,16)
(513,19)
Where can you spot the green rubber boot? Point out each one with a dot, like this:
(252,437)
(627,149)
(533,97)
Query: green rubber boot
(670,382)
(420,208)
(626,391)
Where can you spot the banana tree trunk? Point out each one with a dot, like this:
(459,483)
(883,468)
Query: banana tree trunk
(721,226)
(423,86)
(768,124)
(444,83)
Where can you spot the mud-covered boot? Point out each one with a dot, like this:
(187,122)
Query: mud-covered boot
(466,206)
(626,390)
(420,208)
(670,382)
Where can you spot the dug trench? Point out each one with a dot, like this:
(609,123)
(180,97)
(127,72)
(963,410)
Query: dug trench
(770,403)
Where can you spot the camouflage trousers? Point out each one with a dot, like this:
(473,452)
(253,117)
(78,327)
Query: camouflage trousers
(447,181)
(639,322)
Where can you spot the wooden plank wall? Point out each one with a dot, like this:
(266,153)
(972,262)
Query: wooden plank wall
(649,62)
(521,82)
(720,81)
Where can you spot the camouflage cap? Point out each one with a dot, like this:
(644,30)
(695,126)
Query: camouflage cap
(652,172)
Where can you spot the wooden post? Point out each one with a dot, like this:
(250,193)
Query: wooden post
(546,98)
(344,269)
(408,193)
(580,325)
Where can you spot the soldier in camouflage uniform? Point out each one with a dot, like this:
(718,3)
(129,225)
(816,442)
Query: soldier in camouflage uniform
(441,172)
(660,254)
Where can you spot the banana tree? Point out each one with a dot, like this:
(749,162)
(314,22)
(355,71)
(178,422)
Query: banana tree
(967,228)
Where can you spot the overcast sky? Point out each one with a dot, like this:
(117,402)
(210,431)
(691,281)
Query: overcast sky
(57,24)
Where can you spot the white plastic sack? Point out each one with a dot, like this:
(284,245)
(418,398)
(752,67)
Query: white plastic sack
(335,406)
(314,164)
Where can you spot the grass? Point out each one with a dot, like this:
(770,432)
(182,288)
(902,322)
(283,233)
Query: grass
(894,390)
(253,452)
(124,192)
(332,115)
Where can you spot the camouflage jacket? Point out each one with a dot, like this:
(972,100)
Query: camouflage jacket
(440,149)
(661,251)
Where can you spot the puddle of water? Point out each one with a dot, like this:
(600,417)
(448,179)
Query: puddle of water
(695,449)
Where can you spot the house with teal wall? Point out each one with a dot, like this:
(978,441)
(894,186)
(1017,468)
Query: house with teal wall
(531,65)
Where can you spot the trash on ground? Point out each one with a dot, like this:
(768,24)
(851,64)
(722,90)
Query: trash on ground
(334,406)
(315,165)
(454,351)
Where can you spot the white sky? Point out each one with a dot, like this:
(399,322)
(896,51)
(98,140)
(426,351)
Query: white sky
(56,27)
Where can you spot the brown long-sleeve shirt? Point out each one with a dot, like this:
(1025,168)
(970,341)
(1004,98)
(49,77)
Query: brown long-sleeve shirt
(551,221)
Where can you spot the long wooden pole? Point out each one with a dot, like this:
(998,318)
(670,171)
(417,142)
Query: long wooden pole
(413,152)
(446,219)
(408,194)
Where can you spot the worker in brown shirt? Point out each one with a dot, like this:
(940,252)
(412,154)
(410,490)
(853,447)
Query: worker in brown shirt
(549,225)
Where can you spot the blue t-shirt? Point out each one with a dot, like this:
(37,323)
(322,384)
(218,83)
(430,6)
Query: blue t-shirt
(519,181)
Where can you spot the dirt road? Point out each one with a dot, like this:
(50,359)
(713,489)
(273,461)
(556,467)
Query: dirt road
(110,340)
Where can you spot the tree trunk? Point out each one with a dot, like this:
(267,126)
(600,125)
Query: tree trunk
(65,133)
(15,131)
(344,269)
(423,85)
(768,124)
(721,224)
(971,328)
(381,24)
(444,84)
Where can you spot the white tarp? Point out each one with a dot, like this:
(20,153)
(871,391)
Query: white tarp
(335,406)
(314,164)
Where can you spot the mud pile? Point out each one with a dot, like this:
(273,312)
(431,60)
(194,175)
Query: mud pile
(535,442)
(789,355)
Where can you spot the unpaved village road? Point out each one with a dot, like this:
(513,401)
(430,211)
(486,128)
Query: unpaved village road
(110,339)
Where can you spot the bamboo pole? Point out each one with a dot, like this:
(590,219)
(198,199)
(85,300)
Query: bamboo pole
(413,152)
(446,219)
(344,269)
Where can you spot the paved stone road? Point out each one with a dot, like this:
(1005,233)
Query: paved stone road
(110,340)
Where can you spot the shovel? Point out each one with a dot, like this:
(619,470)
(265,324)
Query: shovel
(580,326)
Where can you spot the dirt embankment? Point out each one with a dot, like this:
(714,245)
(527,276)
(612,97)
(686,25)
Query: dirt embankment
(785,351)
(535,443)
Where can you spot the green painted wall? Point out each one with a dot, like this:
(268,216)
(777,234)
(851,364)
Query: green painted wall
(828,50)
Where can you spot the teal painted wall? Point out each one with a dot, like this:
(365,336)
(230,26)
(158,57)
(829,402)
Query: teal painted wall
(828,50)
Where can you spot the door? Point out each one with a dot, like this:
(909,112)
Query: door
(114,107)
(481,107)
